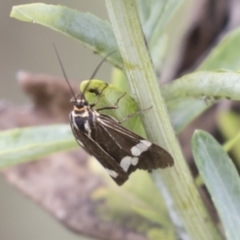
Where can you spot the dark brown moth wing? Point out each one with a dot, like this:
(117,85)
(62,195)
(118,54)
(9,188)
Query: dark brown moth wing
(94,149)
(141,155)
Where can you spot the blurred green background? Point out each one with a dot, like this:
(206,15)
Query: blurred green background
(25,46)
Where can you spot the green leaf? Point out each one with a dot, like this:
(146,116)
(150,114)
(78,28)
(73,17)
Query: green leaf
(109,97)
(190,95)
(221,179)
(119,80)
(155,15)
(94,32)
(25,144)
(84,27)
(224,55)
(182,112)
(208,84)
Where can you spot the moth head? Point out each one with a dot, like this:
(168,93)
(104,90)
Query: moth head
(79,102)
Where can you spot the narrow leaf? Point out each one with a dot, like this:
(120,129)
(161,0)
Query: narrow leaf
(182,113)
(205,84)
(24,144)
(224,55)
(221,179)
(84,27)
(190,95)
(155,15)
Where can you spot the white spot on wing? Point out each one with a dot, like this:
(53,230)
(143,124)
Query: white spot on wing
(112,173)
(141,147)
(147,143)
(125,163)
(134,161)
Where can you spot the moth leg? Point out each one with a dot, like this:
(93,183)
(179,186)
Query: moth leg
(99,95)
(115,106)
(133,115)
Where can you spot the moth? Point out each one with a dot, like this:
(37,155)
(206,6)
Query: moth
(119,150)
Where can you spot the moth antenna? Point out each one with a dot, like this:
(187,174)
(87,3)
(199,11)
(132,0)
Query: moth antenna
(95,72)
(64,73)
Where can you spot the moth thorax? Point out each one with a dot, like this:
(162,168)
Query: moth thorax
(81,112)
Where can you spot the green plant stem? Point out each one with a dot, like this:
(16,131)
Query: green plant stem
(143,82)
